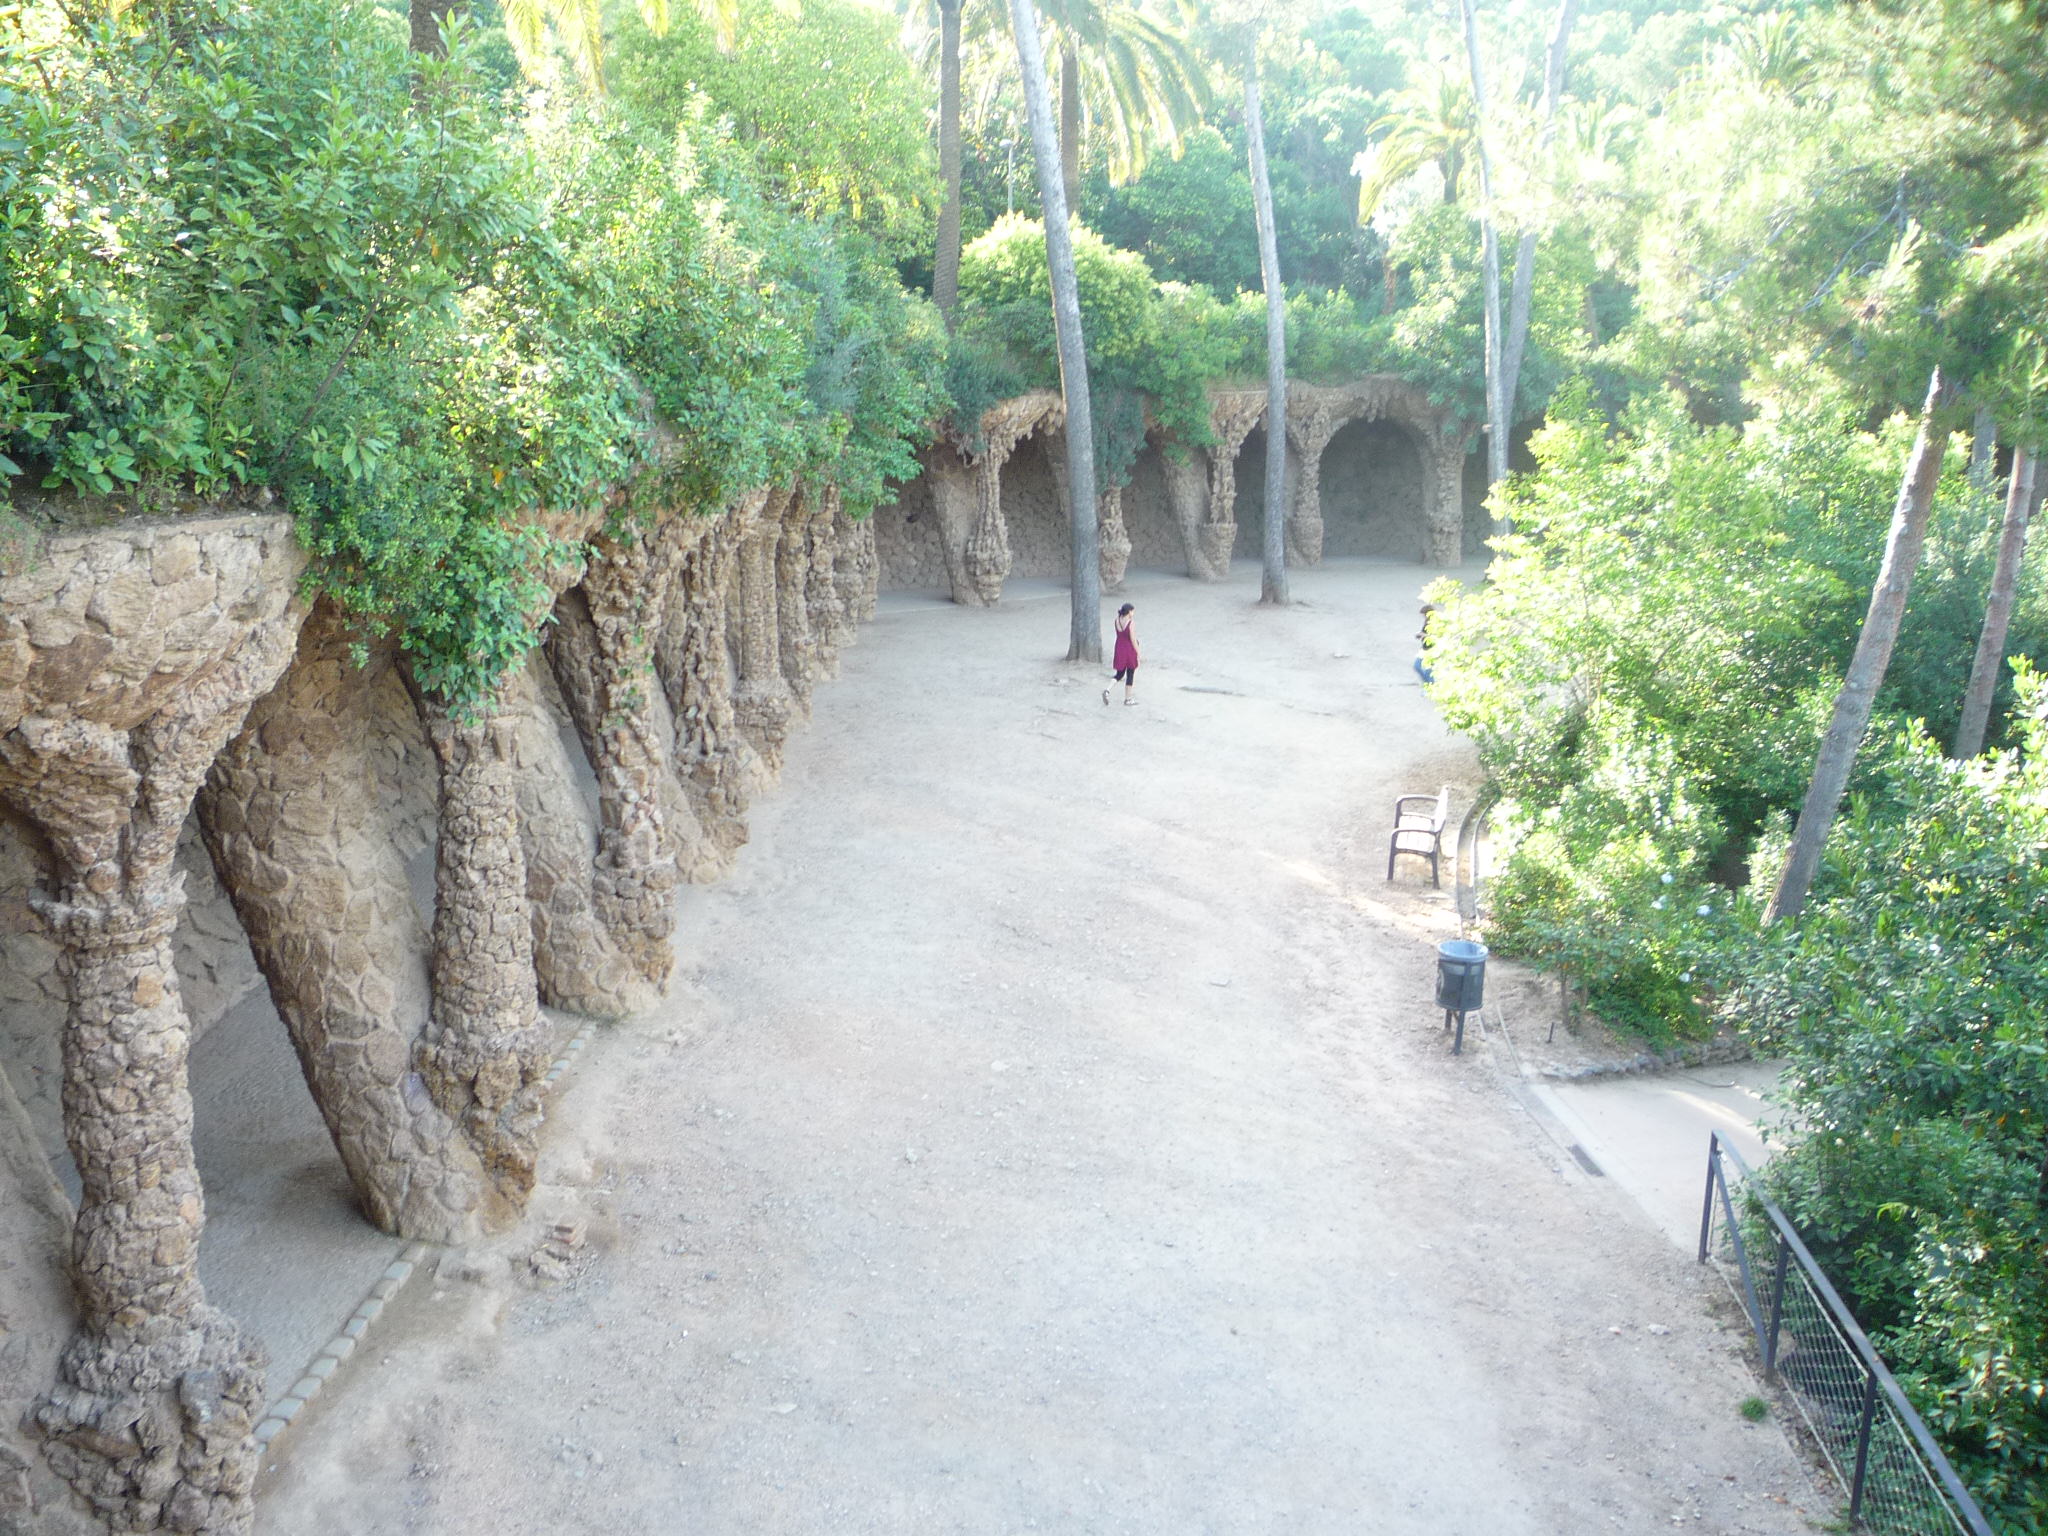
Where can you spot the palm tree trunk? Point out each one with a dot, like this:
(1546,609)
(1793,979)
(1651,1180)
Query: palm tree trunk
(1867,667)
(1273,583)
(1489,236)
(1085,638)
(1070,125)
(2005,576)
(946,258)
(1524,289)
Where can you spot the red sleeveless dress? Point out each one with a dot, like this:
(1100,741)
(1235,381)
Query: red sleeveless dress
(1126,647)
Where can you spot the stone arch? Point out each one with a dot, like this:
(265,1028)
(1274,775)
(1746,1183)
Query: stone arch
(1315,414)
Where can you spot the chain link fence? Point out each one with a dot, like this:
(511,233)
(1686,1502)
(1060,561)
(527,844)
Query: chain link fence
(1897,1481)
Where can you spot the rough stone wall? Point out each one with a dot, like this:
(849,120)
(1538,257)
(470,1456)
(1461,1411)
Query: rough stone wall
(1040,544)
(907,541)
(1373,493)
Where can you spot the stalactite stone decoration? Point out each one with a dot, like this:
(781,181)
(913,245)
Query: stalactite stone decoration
(693,657)
(1232,417)
(128,662)
(856,569)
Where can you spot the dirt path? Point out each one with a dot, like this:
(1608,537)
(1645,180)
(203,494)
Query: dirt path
(1050,1131)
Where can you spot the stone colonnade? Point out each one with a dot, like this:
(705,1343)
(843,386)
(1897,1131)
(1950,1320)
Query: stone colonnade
(150,670)
(966,480)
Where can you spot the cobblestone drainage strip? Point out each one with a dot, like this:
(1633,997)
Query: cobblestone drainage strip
(340,1347)
(401,1269)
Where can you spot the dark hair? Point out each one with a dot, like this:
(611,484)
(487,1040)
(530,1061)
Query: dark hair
(1123,610)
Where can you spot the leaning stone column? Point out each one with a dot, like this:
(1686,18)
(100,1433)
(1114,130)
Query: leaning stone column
(486,1047)
(951,477)
(1113,543)
(1187,490)
(602,650)
(293,817)
(830,624)
(693,658)
(1443,462)
(132,656)
(762,704)
(795,641)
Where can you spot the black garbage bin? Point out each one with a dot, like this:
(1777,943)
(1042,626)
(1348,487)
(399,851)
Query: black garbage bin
(1460,983)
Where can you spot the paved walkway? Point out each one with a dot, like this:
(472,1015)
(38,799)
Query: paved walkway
(1050,1131)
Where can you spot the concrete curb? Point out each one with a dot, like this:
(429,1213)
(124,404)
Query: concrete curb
(1707,1054)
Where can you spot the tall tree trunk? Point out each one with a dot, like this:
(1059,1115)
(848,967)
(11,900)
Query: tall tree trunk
(425,18)
(1085,636)
(1273,583)
(1524,288)
(946,258)
(1867,667)
(1070,125)
(2005,576)
(1497,405)
(1983,450)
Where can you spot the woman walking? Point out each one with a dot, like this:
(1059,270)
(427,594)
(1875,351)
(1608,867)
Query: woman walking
(1126,657)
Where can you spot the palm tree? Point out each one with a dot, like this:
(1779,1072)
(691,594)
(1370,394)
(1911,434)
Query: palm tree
(577,24)
(1122,70)
(1273,580)
(1085,633)
(1432,121)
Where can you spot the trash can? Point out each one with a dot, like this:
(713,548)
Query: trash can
(1460,975)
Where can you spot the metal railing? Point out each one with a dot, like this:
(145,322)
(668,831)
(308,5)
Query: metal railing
(1897,1480)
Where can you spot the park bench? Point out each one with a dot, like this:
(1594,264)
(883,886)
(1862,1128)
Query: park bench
(1419,829)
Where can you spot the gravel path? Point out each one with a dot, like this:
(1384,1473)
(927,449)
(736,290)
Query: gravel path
(1049,1130)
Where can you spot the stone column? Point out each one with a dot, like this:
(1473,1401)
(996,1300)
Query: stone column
(1187,492)
(1443,474)
(486,1047)
(577,964)
(292,814)
(1232,421)
(762,703)
(987,558)
(955,504)
(693,658)
(602,650)
(830,624)
(1310,433)
(129,658)
(796,644)
(1113,543)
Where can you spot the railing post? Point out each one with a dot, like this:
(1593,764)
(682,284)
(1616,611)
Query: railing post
(1863,1447)
(1777,1306)
(1707,1210)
